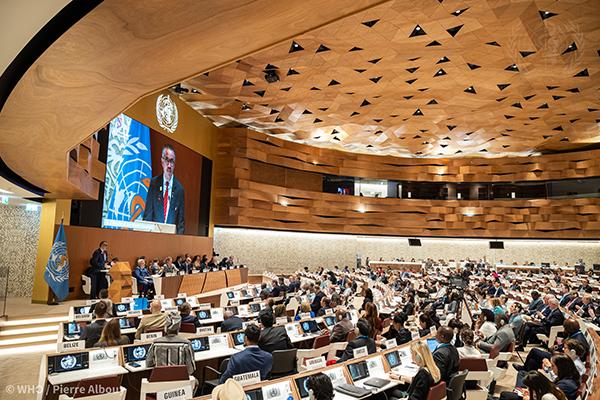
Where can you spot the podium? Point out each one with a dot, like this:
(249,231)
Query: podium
(121,282)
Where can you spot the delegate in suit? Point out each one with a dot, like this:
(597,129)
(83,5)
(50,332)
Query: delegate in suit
(251,359)
(165,200)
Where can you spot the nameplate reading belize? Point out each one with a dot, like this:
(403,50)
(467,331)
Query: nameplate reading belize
(360,352)
(247,379)
(181,393)
(68,346)
(316,363)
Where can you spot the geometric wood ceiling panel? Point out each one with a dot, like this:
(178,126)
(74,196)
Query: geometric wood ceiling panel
(433,78)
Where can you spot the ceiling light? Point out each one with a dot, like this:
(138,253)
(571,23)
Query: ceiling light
(469,213)
(283,203)
(361,209)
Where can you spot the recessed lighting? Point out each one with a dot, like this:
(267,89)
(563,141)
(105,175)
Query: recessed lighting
(469,214)
(361,209)
(283,203)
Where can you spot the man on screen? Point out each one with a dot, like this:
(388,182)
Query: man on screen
(164,202)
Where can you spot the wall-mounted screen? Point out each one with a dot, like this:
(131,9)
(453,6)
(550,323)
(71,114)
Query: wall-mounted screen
(152,183)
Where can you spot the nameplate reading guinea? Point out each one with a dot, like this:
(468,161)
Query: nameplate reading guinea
(181,393)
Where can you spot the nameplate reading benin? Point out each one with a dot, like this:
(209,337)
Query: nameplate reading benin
(249,378)
(151,336)
(360,352)
(68,346)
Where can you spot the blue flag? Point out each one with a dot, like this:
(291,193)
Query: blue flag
(128,172)
(57,269)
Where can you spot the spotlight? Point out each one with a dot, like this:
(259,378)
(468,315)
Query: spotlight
(271,76)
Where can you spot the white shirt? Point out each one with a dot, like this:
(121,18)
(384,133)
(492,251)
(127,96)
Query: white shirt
(488,329)
(468,352)
(170,192)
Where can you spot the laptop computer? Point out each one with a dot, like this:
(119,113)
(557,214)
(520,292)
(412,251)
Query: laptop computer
(200,344)
(134,354)
(376,382)
(68,362)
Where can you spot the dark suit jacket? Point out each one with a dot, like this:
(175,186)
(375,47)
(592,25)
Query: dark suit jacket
(155,203)
(91,333)
(98,260)
(360,341)
(535,305)
(231,324)
(274,338)
(446,358)
(315,306)
(502,338)
(190,319)
(420,384)
(569,388)
(555,318)
(248,360)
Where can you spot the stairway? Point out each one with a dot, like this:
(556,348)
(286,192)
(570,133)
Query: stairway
(29,333)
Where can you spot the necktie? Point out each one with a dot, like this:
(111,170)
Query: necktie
(166,201)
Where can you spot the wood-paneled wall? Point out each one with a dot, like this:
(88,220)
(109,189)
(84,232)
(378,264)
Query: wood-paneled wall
(243,202)
(244,144)
(127,246)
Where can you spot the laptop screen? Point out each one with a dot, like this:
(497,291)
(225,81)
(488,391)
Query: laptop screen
(329,320)
(302,385)
(179,301)
(255,307)
(230,295)
(82,310)
(238,338)
(255,394)
(200,344)
(393,358)
(140,303)
(68,362)
(124,323)
(122,307)
(203,314)
(309,326)
(358,371)
(234,310)
(136,353)
(71,329)
(433,344)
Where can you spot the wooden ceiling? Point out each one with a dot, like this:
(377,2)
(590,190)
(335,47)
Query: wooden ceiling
(434,78)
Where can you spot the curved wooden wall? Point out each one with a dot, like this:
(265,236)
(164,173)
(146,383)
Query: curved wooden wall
(242,201)
(246,144)
(124,50)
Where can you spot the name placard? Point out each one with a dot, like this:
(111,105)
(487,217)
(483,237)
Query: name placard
(414,335)
(391,343)
(433,330)
(204,306)
(127,300)
(82,317)
(316,363)
(68,346)
(150,336)
(247,379)
(159,297)
(329,311)
(218,342)
(360,352)
(90,302)
(205,330)
(305,315)
(181,393)
(281,320)
(134,313)
(180,295)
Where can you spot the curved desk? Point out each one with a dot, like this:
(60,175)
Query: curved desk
(193,284)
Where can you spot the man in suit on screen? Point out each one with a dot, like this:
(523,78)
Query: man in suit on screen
(165,199)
